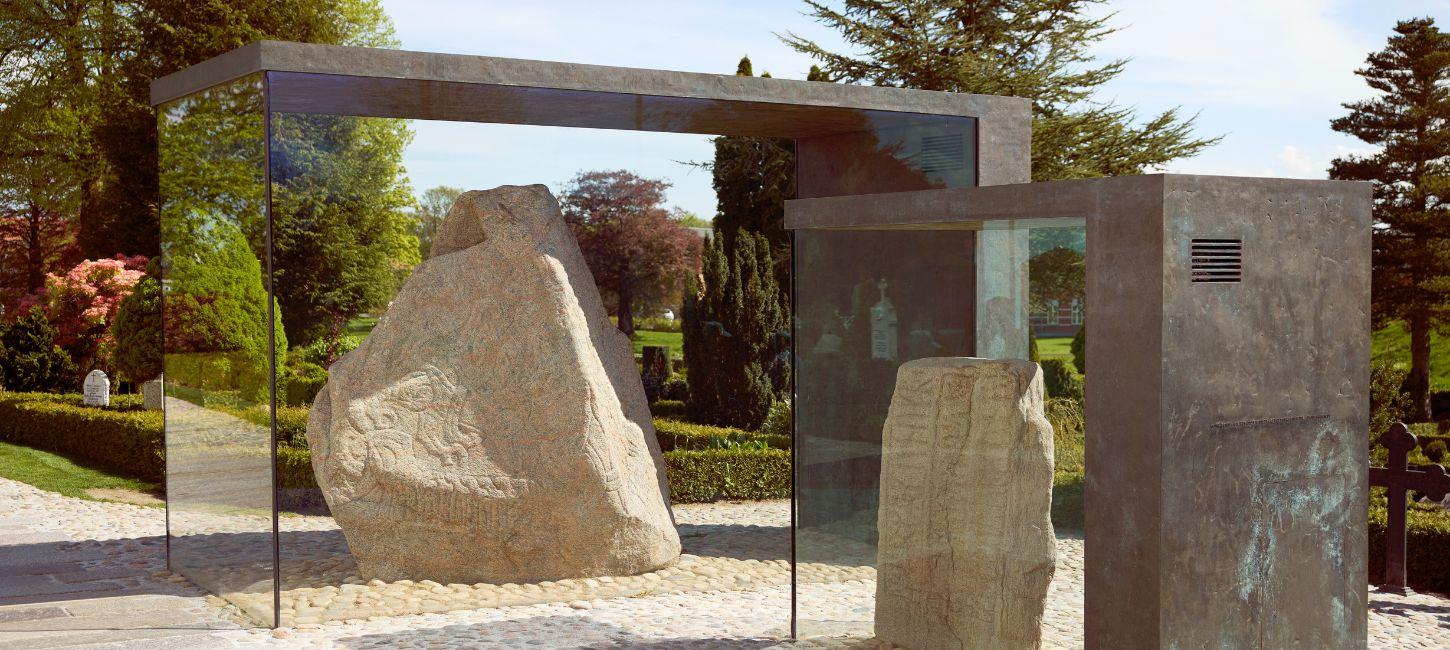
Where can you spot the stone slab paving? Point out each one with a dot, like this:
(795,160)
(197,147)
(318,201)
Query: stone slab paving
(77,573)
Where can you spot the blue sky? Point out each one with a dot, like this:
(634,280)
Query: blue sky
(1266,74)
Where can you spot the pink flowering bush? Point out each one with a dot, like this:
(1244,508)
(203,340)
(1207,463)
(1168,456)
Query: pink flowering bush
(82,303)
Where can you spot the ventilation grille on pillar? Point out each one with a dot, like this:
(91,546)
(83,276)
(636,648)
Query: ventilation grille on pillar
(1218,260)
(943,153)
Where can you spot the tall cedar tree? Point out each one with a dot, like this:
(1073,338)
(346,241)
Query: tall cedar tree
(1036,49)
(636,252)
(732,329)
(1410,122)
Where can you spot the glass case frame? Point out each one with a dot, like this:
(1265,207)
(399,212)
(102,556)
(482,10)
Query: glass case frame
(848,140)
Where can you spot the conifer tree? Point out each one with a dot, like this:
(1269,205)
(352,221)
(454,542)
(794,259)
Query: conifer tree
(752,178)
(732,329)
(1410,123)
(1036,49)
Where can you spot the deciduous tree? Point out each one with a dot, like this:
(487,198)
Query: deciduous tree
(1409,121)
(342,235)
(158,37)
(636,251)
(432,207)
(1058,274)
(82,303)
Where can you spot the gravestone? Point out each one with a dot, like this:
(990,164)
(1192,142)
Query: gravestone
(97,389)
(655,370)
(966,548)
(153,394)
(492,427)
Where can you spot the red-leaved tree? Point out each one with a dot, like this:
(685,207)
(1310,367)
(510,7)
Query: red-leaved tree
(82,303)
(33,242)
(638,254)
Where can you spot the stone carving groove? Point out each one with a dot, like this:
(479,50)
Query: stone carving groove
(492,427)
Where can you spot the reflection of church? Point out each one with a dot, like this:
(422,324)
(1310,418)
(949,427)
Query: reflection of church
(1058,317)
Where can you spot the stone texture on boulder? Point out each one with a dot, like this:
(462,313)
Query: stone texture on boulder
(492,427)
(966,547)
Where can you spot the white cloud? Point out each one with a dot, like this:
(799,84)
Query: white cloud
(1294,163)
(1247,53)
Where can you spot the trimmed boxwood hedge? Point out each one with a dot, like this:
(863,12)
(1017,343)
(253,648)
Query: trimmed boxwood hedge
(294,467)
(700,476)
(1427,545)
(674,434)
(123,437)
(696,476)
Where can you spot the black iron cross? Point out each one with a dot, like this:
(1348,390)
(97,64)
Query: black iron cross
(1400,477)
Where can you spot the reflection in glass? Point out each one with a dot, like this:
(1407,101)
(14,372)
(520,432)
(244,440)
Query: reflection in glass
(257,291)
(218,346)
(342,247)
(868,301)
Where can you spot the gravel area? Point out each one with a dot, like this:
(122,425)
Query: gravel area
(75,572)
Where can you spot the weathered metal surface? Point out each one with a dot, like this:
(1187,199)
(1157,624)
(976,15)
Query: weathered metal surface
(1225,491)
(1263,540)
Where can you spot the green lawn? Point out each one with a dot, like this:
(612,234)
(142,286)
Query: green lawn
(675,341)
(361,325)
(1392,344)
(1059,347)
(57,473)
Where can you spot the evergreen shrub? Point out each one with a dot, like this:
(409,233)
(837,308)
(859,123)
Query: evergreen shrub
(30,359)
(734,347)
(1059,381)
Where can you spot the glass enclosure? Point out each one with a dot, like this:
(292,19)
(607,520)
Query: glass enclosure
(219,346)
(273,186)
(868,301)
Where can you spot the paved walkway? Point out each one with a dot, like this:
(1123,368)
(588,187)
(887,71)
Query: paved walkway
(76,573)
(82,573)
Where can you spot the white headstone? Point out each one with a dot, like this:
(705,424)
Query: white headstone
(97,389)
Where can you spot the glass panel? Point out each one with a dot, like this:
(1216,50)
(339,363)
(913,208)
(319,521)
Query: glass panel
(867,302)
(331,188)
(343,247)
(217,344)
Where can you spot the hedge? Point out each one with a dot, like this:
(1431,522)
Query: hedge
(294,467)
(674,434)
(696,476)
(1427,546)
(700,476)
(123,437)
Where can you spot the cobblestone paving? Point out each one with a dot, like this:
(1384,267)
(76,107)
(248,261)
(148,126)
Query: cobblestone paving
(82,573)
